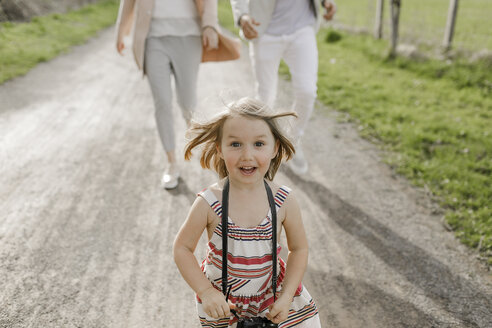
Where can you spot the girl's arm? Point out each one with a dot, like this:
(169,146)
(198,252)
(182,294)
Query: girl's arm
(213,301)
(296,261)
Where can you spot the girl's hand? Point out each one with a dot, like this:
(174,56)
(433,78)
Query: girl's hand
(214,303)
(279,310)
(210,38)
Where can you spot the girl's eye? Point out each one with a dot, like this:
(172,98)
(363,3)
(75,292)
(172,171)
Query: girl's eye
(235,144)
(259,143)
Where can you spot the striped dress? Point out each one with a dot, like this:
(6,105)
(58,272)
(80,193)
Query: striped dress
(250,271)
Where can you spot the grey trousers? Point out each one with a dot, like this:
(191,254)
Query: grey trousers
(179,56)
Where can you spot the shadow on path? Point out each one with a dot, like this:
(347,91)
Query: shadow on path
(183,189)
(459,297)
(341,299)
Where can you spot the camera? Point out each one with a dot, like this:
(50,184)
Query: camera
(255,322)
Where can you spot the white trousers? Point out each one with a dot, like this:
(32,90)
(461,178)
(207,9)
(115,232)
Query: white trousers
(300,52)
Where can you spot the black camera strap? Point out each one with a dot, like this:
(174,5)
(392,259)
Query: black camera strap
(225,224)
(273,212)
(225,211)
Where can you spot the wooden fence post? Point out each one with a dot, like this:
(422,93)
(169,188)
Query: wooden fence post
(378,30)
(450,23)
(395,16)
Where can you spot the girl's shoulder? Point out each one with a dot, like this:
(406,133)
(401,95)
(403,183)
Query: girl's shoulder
(208,202)
(214,190)
(284,197)
(216,187)
(212,187)
(280,190)
(213,193)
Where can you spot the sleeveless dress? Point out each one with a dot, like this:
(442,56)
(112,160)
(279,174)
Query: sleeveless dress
(250,271)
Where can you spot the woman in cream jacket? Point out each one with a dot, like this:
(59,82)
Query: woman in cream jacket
(168,36)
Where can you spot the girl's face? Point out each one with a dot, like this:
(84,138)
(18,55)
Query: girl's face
(247,147)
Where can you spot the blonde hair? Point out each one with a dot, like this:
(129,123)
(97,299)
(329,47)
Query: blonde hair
(210,135)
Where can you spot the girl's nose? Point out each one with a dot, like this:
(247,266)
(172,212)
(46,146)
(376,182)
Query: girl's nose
(246,153)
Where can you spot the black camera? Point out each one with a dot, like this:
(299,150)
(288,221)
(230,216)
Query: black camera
(255,322)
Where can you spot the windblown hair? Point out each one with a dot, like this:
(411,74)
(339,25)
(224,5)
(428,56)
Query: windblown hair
(210,135)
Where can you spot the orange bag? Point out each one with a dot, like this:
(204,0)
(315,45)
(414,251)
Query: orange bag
(228,49)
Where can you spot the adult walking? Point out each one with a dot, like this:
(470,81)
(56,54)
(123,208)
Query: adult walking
(285,29)
(167,40)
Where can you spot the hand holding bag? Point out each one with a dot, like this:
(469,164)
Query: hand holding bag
(228,48)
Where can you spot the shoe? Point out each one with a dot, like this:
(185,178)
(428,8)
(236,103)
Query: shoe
(170,178)
(298,163)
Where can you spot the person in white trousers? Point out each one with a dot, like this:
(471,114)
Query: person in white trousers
(285,29)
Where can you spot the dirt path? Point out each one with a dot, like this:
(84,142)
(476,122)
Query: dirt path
(86,233)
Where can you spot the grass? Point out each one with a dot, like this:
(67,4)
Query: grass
(423,21)
(433,118)
(24,45)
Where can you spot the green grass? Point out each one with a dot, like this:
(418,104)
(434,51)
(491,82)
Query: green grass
(423,21)
(433,118)
(24,45)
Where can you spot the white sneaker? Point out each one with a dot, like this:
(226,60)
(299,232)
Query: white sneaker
(298,163)
(170,178)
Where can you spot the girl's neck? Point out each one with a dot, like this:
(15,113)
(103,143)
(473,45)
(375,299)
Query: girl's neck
(248,203)
(249,187)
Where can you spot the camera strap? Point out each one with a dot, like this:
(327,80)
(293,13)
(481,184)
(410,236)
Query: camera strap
(225,211)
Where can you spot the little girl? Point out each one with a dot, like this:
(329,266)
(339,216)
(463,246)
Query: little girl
(245,146)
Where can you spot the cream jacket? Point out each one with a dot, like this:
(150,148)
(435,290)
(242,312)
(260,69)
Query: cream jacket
(262,11)
(137,14)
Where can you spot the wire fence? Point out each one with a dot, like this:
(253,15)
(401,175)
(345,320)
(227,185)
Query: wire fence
(423,22)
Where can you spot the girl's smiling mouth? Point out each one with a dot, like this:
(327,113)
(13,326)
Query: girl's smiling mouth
(248,170)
